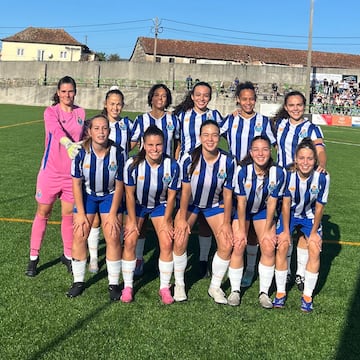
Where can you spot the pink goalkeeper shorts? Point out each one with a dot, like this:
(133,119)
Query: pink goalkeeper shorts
(50,187)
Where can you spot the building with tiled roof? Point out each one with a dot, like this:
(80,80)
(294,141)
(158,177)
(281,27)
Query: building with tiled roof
(179,51)
(41,44)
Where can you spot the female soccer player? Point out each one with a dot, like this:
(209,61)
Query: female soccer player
(97,173)
(192,112)
(151,184)
(240,128)
(290,128)
(64,122)
(159,99)
(120,129)
(306,193)
(207,176)
(258,185)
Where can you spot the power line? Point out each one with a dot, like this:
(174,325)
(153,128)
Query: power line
(262,34)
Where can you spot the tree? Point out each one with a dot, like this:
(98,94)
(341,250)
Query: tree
(101,56)
(113,57)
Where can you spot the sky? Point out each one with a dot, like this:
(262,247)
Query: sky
(112,27)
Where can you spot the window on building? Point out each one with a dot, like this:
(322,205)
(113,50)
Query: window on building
(158,59)
(171,60)
(192,61)
(20,52)
(63,54)
(40,55)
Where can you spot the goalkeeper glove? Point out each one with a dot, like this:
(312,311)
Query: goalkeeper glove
(72,148)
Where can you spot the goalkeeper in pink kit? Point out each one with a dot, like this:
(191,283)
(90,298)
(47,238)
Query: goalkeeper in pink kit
(64,125)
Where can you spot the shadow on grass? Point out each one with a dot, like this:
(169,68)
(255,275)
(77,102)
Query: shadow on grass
(349,346)
(330,250)
(68,333)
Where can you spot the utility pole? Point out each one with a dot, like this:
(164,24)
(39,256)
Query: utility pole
(157,30)
(308,64)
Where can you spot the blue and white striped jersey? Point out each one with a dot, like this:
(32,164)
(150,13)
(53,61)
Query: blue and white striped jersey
(257,188)
(288,136)
(152,183)
(305,193)
(168,124)
(99,174)
(208,180)
(190,122)
(120,132)
(239,132)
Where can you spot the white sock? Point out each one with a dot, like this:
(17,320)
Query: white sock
(310,283)
(266,274)
(235,276)
(166,269)
(78,269)
(280,279)
(302,259)
(180,263)
(93,242)
(140,245)
(33,257)
(219,268)
(251,256)
(113,270)
(128,268)
(204,247)
(288,257)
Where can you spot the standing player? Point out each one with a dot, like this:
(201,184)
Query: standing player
(151,183)
(64,122)
(120,129)
(258,185)
(192,112)
(97,173)
(306,193)
(240,128)
(290,128)
(207,176)
(159,99)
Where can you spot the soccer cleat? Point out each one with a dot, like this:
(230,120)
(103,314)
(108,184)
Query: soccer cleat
(203,270)
(218,295)
(265,301)
(32,268)
(165,295)
(247,279)
(234,298)
(114,292)
(127,295)
(179,293)
(76,289)
(306,307)
(279,303)
(139,268)
(93,266)
(299,281)
(66,262)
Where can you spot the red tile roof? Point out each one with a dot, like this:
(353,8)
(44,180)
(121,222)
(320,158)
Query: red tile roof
(247,54)
(43,36)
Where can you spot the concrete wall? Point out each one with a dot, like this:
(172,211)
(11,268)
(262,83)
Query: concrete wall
(34,83)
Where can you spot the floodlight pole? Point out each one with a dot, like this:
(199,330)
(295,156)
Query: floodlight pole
(308,64)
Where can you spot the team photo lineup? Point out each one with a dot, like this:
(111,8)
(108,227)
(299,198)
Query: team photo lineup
(253,185)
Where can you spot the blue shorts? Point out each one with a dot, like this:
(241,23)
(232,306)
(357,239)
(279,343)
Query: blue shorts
(207,212)
(304,225)
(98,204)
(261,215)
(142,211)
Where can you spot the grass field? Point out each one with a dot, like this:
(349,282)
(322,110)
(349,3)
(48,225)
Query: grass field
(37,320)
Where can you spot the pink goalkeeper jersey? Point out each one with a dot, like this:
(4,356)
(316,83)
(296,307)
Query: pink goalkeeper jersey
(58,124)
